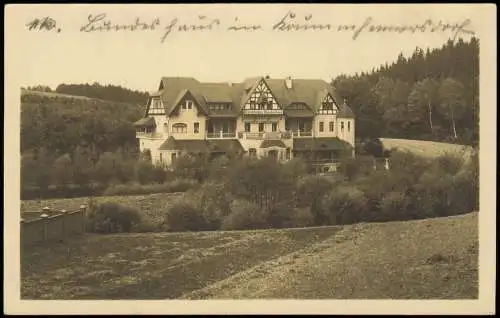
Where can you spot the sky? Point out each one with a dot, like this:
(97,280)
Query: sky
(138,59)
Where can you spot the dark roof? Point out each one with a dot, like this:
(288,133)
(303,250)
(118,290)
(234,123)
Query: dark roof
(224,145)
(326,143)
(145,122)
(345,112)
(298,113)
(307,91)
(272,143)
(169,144)
(199,146)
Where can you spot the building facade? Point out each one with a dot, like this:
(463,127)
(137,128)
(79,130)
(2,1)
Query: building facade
(283,118)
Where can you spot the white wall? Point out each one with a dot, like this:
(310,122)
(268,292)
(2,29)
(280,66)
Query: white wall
(348,134)
(188,117)
(326,119)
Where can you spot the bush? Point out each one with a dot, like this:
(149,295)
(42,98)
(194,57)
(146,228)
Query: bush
(345,205)
(184,216)
(393,206)
(300,217)
(110,217)
(145,172)
(310,192)
(214,201)
(147,226)
(245,216)
(136,189)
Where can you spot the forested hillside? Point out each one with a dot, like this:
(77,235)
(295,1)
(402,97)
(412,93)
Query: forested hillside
(432,95)
(67,139)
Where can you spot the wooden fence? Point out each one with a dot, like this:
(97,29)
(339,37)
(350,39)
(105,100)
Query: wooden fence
(51,225)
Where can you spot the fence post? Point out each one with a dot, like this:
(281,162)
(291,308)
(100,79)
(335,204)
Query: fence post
(44,217)
(84,217)
(63,216)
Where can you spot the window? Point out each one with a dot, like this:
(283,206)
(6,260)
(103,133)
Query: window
(179,128)
(342,126)
(274,126)
(174,156)
(321,126)
(348,126)
(261,127)
(331,126)
(247,127)
(161,157)
(165,127)
(196,128)
(187,104)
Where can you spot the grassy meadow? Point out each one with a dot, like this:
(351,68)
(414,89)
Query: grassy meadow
(425,259)
(425,148)
(151,206)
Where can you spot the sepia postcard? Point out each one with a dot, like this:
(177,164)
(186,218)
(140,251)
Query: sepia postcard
(250,158)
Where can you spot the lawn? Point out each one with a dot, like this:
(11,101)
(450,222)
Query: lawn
(425,148)
(152,206)
(433,258)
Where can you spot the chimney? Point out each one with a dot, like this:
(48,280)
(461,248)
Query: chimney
(288,82)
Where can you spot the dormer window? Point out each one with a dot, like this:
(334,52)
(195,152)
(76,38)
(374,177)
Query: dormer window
(188,104)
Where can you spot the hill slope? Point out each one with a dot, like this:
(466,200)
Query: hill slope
(434,258)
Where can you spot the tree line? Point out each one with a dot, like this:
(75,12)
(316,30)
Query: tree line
(432,95)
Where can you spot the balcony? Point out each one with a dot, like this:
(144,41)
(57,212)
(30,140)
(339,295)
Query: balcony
(220,135)
(151,135)
(264,135)
(299,134)
(263,111)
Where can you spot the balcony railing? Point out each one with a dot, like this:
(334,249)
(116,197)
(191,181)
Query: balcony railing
(298,134)
(263,111)
(153,135)
(264,135)
(220,135)
(324,161)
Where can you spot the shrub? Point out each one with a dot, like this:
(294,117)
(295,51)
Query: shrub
(393,206)
(110,217)
(300,217)
(244,216)
(135,189)
(345,205)
(214,202)
(448,163)
(147,226)
(184,216)
(144,172)
(310,192)
(280,215)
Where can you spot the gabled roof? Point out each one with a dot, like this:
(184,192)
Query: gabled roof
(225,145)
(345,111)
(169,144)
(307,91)
(145,122)
(324,143)
(298,113)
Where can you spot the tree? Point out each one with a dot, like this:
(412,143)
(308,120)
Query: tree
(106,168)
(422,100)
(452,103)
(62,170)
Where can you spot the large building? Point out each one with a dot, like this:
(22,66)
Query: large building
(259,117)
